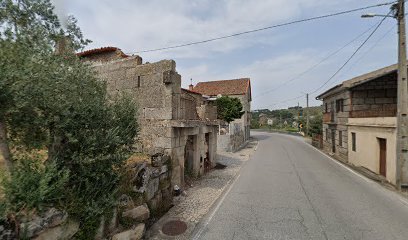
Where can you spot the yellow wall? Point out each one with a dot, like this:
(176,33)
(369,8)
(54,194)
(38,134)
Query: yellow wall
(367,153)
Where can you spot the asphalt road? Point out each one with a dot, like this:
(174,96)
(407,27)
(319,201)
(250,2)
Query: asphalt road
(288,190)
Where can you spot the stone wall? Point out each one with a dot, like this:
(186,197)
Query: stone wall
(145,194)
(338,123)
(378,95)
(201,148)
(376,98)
(108,56)
(154,87)
(207,112)
(233,139)
(167,114)
(245,120)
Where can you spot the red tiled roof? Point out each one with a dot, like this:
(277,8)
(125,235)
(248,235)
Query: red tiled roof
(101,50)
(190,91)
(224,87)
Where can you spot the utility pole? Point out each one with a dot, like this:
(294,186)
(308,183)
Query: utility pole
(402,104)
(307,114)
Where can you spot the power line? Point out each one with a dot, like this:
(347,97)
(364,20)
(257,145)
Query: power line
(317,64)
(354,53)
(264,28)
(372,47)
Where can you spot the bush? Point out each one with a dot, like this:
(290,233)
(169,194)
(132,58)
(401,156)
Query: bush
(31,187)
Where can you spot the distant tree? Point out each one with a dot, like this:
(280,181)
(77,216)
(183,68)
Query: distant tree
(254,124)
(316,125)
(281,114)
(229,108)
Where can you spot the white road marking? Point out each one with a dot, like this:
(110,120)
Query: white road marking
(401,199)
(208,220)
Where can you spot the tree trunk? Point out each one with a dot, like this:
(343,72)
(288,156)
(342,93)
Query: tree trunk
(4,147)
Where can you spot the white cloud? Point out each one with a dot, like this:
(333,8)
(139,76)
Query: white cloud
(135,25)
(140,25)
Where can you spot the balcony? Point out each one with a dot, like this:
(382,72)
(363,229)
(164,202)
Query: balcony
(391,112)
(328,117)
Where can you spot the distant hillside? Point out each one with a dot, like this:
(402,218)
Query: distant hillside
(316,110)
(312,111)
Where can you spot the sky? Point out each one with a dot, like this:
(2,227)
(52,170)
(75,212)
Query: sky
(269,58)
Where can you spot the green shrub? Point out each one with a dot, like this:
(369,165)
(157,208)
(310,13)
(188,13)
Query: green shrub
(32,186)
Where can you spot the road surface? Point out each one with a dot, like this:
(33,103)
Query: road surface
(289,190)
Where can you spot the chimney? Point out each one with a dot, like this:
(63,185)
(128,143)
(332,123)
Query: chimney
(191,86)
(63,45)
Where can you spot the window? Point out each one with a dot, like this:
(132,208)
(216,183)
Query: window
(326,108)
(138,81)
(339,105)
(340,138)
(353,141)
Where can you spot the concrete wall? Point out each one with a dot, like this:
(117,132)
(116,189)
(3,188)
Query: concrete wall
(224,142)
(367,131)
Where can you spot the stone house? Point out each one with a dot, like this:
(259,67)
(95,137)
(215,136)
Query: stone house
(239,129)
(263,119)
(359,122)
(174,121)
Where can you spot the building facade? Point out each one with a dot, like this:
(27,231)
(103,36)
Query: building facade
(238,130)
(359,121)
(173,121)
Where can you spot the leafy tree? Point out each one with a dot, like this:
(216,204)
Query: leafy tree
(229,108)
(53,103)
(316,125)
(282,114)
(29,31)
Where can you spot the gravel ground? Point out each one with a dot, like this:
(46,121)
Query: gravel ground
(192,206)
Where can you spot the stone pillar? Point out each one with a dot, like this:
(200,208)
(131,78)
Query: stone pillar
(212,147)
(197,153)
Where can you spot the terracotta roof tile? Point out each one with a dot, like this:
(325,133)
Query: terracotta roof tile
(101,50)
(224,87)
(190,91)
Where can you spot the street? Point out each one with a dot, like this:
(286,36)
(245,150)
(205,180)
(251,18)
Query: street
(288,190)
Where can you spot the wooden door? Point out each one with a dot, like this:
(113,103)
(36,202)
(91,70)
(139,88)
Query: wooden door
(333,140)
(383,156)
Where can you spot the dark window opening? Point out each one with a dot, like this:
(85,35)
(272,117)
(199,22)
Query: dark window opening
(138,81)
(353,141)
(339,105)
(340,138)
(326,108)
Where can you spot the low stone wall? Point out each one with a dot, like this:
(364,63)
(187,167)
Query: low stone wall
(146,193)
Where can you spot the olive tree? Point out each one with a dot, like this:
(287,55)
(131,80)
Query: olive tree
(54,103)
